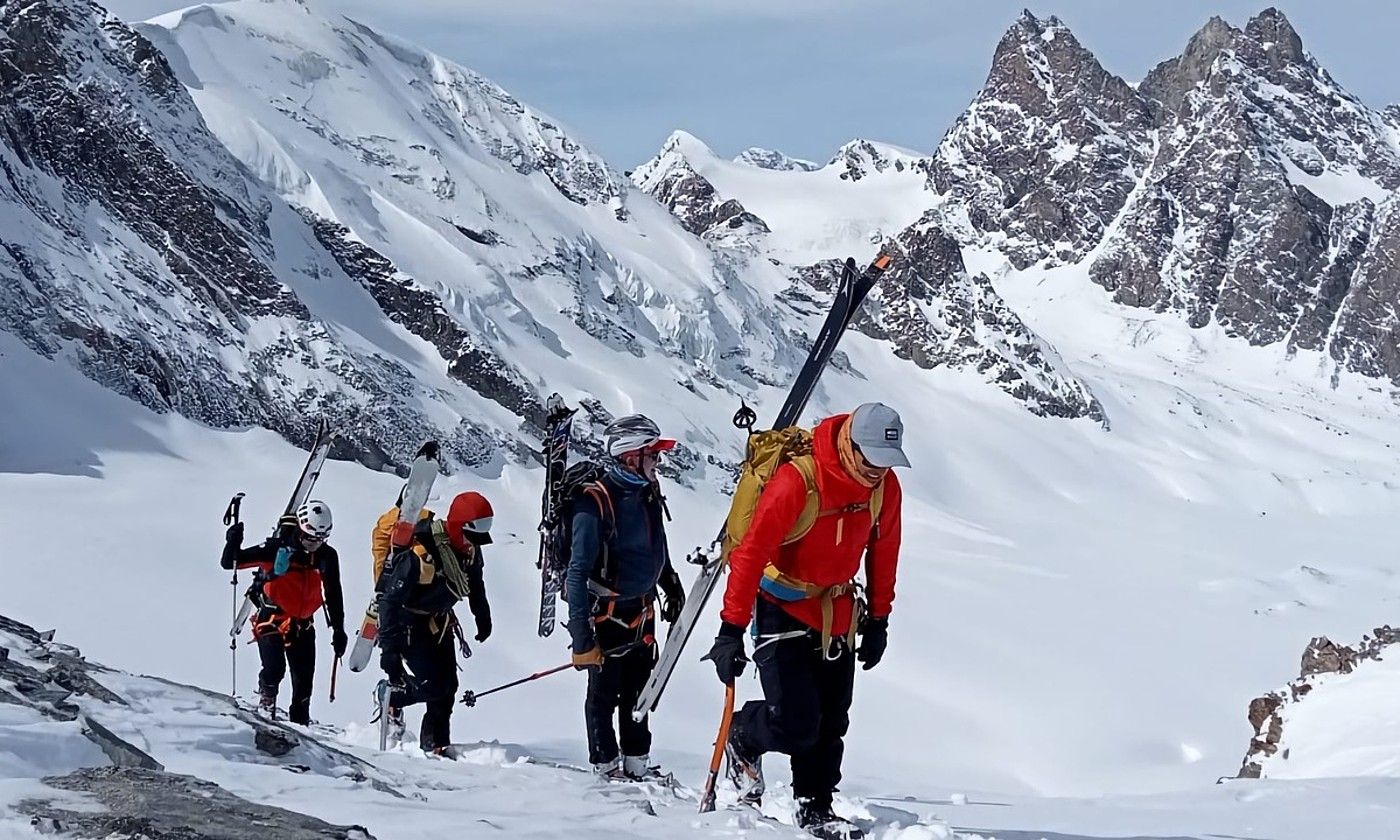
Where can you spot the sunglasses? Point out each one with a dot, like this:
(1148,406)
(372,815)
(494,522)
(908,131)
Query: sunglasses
(865,464)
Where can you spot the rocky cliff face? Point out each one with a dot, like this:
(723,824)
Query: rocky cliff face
(1259,210)
(937,315)
(1049,150)
(1323,660)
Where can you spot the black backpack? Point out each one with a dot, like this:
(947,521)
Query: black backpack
(580,481)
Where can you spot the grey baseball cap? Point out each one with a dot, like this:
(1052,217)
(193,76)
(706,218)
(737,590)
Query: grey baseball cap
(878,431)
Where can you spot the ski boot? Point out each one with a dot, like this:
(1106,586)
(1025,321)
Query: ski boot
(818,820)
(611,771)
(744,770)
(446,753)
(639,768)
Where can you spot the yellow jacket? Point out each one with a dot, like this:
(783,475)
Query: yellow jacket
(381,542)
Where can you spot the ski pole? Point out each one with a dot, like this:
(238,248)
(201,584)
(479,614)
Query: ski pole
(707,798)
(335,667)
(231,518)
(470,697)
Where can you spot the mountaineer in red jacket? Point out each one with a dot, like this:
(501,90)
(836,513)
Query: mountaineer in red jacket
(297,573)
(804,603)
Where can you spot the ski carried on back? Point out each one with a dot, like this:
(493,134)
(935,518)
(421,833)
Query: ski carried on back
(421,476)
(556,457)
(320,449)
(851,289)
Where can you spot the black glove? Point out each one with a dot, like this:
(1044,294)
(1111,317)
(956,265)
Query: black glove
(728,653)
(338,642)
(288,531)
(874,636)
(483,627)
(392,666)
(581,636)
(673,600)
(234,535)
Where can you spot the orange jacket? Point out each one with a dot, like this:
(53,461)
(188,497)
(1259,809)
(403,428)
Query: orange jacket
(819,557)
(381,541)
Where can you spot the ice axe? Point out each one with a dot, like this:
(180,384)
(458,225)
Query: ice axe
(707,797)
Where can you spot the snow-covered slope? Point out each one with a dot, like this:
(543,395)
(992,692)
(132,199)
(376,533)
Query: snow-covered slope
(1080,610)
(127,755)
(865,194)
(140,756)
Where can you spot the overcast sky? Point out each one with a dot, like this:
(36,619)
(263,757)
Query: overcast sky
(805,76)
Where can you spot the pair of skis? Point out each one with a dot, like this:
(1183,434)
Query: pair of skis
(421,476)
(851,290)
(558,422)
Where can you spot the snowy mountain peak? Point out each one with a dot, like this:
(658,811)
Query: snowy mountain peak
(861,158)
(463,108)
(687,145)
(1032,28)
(774,160)
(673,178)
(1049,149)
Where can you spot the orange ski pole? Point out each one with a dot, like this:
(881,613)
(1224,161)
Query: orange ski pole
(707,798)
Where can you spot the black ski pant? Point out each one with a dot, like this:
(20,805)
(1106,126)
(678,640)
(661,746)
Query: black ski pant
(614,688)
(430,662)
(282,646)
(806,703)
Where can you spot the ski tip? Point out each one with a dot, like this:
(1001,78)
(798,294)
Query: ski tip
(428,450)
(882,262)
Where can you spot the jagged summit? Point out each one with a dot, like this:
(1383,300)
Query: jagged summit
(1167,84)
(1049,149)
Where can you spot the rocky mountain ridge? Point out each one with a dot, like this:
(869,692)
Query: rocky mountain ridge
(1238,184)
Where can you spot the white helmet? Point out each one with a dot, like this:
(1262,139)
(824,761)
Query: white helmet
(632,433)
(314,519)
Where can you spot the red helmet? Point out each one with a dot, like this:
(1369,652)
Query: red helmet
(469,520)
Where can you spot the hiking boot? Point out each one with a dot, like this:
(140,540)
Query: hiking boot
(744,769)
(817,819)
(267,705)
(448,753)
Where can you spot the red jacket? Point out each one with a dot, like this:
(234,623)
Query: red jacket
(817,558)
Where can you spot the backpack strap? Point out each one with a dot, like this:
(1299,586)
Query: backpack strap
(806,467)
(598,584)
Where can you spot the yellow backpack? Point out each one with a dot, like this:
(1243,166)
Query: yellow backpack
(766,451)
(381,541)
